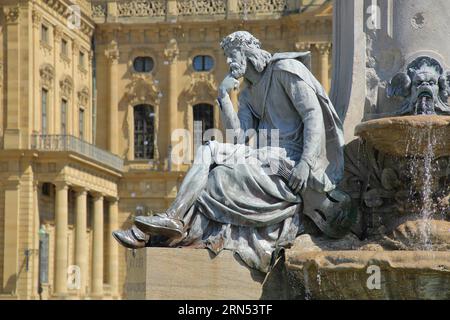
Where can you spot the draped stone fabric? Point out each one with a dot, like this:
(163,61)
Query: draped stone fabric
(247,208)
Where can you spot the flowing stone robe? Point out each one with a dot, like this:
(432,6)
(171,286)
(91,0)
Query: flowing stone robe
(245,207)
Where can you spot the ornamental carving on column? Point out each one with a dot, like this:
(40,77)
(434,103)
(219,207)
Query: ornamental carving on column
(98,10)
(66,86)
(11,14)
(324,48)
(47,73)
(302,46)
(75,46)
(171,52)
(57,33)
(37,18)
(112,52)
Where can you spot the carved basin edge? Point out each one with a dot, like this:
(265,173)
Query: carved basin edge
(433,261)
(419,121)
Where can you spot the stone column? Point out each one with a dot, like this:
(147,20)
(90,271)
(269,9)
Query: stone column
(61,241)
(324,51)
(11,139)
(97,248)
(37,21)
(113,263)
(171,55)
(112,54)
(81,245)
(11,240)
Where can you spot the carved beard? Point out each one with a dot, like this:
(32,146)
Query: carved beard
(424,105)
(237,69)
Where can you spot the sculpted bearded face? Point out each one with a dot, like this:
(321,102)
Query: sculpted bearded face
(240,47)
(424,89)
(237,61)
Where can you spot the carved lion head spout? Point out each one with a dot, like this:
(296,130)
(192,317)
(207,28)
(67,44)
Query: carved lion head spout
(424,87)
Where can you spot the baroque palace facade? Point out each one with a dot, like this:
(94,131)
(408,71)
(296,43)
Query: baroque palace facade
(88,103)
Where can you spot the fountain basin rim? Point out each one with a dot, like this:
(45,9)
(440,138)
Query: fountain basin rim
(418,121)
(407,135)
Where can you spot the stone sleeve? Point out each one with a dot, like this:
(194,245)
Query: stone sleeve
(305,101)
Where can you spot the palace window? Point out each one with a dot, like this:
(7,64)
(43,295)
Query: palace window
(143,64)
(144,118)
(64,50)
(203,63)
(81,59)
(44,33)
(46,189)
(44,97)
(63,116)
(203,121)
(81,123)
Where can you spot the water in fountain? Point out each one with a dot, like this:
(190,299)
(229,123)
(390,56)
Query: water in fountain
(421,171)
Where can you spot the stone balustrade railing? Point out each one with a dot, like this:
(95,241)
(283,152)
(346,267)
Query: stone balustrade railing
(169,9)
(74,144)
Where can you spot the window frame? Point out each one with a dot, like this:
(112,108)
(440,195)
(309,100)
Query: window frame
(63,121)
(144,60)
(144,152)
(64,47)
(44,111)
(196,113)
(45,39)
(81,59)
(203,62)
(81,123)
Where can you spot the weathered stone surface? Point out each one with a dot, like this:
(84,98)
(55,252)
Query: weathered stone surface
(170,273)
(316,274)
(399,136)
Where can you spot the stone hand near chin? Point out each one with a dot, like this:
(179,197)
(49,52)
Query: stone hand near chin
(228,83)
(299,177)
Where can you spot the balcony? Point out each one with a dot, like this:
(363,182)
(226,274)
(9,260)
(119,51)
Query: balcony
(74,144)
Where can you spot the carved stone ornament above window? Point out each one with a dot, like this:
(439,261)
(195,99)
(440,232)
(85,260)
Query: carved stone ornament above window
(203,88)
(83,96)
(11,14)
(66,85)
(47,73)
(142,89)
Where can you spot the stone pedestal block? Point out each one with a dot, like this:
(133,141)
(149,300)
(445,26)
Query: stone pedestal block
(184,274)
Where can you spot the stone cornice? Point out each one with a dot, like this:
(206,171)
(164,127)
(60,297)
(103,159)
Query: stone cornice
(62,9)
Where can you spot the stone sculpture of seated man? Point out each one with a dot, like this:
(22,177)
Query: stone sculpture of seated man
(230,199)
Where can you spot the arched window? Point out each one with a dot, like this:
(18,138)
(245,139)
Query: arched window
(203,63)
(203,120)
(143,64)
(144,118)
